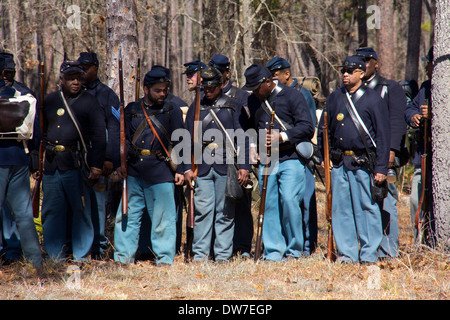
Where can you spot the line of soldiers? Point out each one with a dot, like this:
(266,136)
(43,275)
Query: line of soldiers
(82,170)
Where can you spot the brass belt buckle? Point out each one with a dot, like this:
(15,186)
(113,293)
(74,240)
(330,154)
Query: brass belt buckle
(349,153)
(213,146)
(146,152)
(60,148)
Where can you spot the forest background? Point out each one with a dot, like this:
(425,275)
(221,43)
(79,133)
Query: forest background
(315,36)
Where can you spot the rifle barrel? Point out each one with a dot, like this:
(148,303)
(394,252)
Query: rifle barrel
(328,193)
(123,150)
(138,80)
(421,218)
(262,205)
(194,168)
(36,192)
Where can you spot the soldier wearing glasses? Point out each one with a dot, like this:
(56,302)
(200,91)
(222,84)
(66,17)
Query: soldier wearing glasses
(214,213)
(391,92)
(243,227)
(356,215)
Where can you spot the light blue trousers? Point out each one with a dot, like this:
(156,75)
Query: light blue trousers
(160,203)
(15,191)
(64,190)
(282,232)
(213,213)
(356,218)
(9,235)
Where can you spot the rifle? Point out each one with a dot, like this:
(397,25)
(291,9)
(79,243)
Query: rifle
(422,213)
(138,79)
(194,168)
(36,193)
(328,199)
(262,205)
(123,143)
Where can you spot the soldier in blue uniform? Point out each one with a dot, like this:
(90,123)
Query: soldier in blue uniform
(392,93)
(15,184)
(10,235)
(10,249)
(243,220)
(150,178)
(282,233)
(109,101)
(75,144)
(144,237)
(356,216)
(214,213)
(281,71)
(415,111)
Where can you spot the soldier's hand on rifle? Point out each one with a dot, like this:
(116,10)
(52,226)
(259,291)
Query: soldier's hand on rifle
(323,165)
(179,179)
(107,168)
(243,177)
(36,175)
(120,173)
(425,113)
(275,136)
(95,173)
(188,178)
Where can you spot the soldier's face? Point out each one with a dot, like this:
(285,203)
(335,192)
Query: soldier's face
(71,83)
(212,93)
(281,75)
(157,93)
(191,80)
(371,67)
(264,90)
(225,76)
(351,77)
(90,72)
(8,76)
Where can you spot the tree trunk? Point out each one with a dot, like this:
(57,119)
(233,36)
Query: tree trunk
(121,33)
(441,124)
(414,32)
(247,31)
(362,22)
(175,52)
(386,39)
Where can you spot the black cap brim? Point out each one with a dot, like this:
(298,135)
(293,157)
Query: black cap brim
(253,86)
